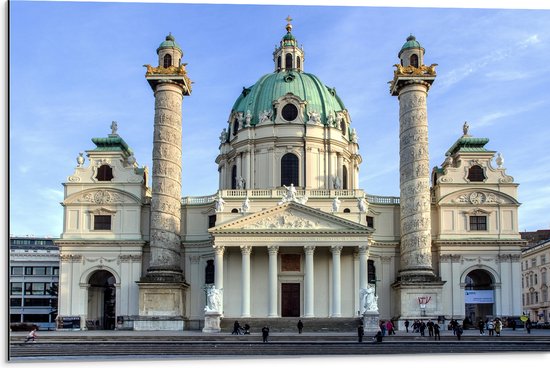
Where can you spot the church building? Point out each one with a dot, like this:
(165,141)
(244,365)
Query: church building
(289,234)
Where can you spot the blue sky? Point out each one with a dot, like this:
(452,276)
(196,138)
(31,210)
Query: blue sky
(75,67)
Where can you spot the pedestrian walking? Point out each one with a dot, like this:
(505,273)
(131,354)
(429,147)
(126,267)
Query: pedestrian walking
(422,328)
(300,326)
(360,333)
(528,325)
(481,326)
(236,328)
(265,333)
(32,335)
(382,326)
(436,327)
(407,325)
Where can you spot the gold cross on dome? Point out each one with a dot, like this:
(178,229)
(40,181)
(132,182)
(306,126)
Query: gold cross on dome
(288,19)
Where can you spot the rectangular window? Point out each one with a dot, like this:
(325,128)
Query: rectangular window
(102,222)
(35,288)
(478,223)
(533,262)
(15,302)
(211,221)
(55,271)
(28,270)
(37,302)
(17,271)
(39,271)
(15,318)
(16,288)
(543,259)
(370,221)
(36,318)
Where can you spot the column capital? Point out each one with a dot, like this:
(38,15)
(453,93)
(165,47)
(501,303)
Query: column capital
(363,249)
(246,249)
(273,249)
(309,249)
(219,249)
(336,249)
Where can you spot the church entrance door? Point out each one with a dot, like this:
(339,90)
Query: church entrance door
(290,300)
(101,301)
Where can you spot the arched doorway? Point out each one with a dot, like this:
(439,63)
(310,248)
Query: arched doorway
(479,296)
(102,300)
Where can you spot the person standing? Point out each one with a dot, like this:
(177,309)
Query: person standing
(528,325)
(360,333)
(436,329)
(430,326)
(265,333)
(300,326)
(407,325)
(422,328)
(491,328)
(459,331)
(498,326)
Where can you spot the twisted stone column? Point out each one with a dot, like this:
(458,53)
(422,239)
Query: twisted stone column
(165,240)
(414,181)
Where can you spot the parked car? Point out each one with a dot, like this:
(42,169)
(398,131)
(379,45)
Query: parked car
(541,324)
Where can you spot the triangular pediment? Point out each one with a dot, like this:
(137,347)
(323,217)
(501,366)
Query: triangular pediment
(291,217)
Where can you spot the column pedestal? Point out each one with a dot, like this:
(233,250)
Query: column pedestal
(161,306)
(212,322)
(371,322)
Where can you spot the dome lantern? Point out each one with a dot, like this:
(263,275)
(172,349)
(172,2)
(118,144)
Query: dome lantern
(288,56)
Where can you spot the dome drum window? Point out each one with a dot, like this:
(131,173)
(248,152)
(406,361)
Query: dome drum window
(289,112)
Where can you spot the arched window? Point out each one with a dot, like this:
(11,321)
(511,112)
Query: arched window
(347,210)
(279,63)
(234,210)
(344,177)
(209,272)
(235,126)
(167,60)
(298,62)
(234,177)
(104,173)
(475,173)
(414,60)
(288,61)
(289,169)
(343,127)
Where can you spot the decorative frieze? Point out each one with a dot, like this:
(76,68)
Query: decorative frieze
(101,197)
(71,258)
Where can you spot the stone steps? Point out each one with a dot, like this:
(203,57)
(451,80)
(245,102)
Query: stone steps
(288,324)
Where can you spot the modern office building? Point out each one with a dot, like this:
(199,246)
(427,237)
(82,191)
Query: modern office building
(34,280)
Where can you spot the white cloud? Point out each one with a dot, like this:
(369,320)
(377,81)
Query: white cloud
(492,117)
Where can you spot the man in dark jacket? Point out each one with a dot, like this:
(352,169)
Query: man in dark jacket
(265,333)
(360,333)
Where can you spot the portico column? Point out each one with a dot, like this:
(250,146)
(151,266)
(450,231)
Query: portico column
(363,266)
(245,274)
(308,282)
(272,280)
(218,269)
(336,281)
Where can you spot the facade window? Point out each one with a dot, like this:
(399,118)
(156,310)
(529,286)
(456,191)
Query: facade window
(534,262)
(475,173)
(522,282)
(234,210)
(36,318)
(16,288)
(414,60)
(167,60)
(28,270)
(279,63)
(536,279)
(235,126)
(211,221)
(288,61)
(370,221)
(542,259)
(17,271)
(343,127)
(36,288)
(544,295)
(298,63)
(289,170)
(102,222)
(543,278)
(530,279)
(478,223)
(39,271)
(289,112)
(37,302)
(209,272)
(55,271)
(104,173)
(15,302)
(347,210)
(371,272)
(344,177)
(234,177)
(15,318)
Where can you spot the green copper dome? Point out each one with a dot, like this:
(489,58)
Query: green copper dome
(169,43)
(271,87)
(411,43)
